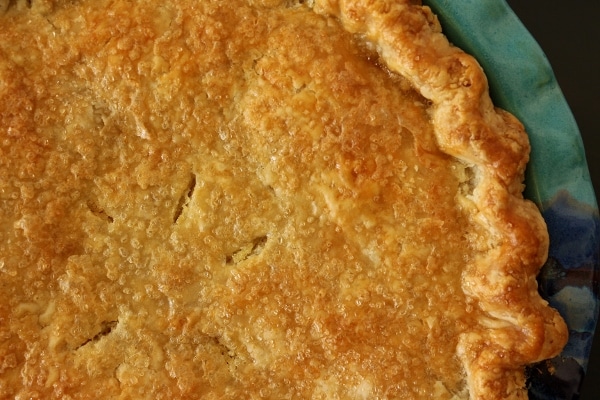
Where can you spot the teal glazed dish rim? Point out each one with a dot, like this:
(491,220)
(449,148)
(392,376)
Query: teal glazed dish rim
(521,81)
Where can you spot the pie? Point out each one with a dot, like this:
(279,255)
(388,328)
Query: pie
(259,199)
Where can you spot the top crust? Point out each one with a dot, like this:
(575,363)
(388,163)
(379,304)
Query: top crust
(278,199)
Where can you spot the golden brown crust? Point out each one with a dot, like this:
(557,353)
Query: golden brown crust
(202,200)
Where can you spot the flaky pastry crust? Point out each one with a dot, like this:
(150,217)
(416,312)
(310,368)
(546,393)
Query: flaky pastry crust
(260,199)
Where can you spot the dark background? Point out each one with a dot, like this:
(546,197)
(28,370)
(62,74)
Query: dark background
(569,33)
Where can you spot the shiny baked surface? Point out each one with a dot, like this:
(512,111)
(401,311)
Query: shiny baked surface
(206,199)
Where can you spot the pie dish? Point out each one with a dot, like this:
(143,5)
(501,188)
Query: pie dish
(266,199)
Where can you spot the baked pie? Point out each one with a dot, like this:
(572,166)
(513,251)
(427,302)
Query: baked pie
(259,199)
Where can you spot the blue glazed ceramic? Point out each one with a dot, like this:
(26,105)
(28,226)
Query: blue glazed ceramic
(522,82)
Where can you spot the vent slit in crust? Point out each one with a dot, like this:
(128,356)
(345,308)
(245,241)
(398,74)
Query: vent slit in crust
(99,211)
(250,249)
(185,198)
(106,327)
